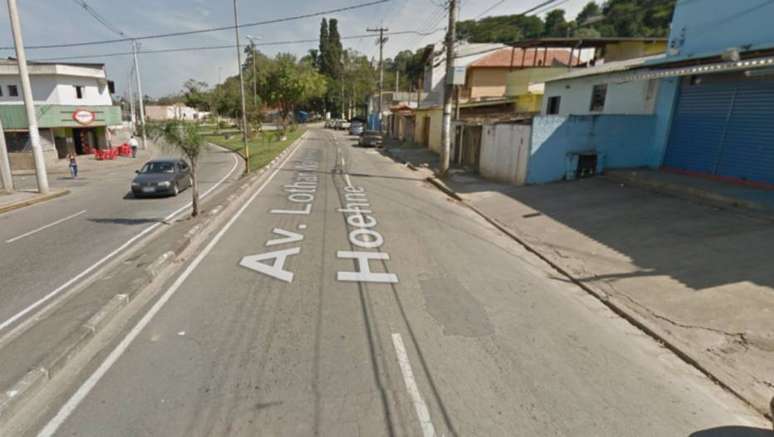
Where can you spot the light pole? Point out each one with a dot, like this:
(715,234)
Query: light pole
(255,74)
(29,103)
(138,76)
(241,90)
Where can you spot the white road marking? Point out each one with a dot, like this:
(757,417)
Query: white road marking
(347,179)
(110,255)
(77,397)
(428,430)
(42,228)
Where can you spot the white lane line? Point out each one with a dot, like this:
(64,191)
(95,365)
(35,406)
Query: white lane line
(348,180)
(42,228)
(92,381)
(428,430)
(110,255)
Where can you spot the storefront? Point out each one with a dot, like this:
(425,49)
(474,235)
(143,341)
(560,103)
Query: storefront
(63,129)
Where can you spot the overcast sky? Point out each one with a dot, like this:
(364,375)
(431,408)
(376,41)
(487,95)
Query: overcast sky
(64,21)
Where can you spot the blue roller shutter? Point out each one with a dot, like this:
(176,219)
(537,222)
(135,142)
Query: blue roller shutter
(697,129)
(725,127)
(748,148)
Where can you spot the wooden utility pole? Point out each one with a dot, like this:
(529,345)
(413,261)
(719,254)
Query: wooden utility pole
(381,42)
(448,88)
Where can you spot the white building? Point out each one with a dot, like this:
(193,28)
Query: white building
(598,90)
(73,104)
(173,112)
(435,67)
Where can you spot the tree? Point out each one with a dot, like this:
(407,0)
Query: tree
(195,94)
(323,53)
(591,10)
(186,139)
(290,84)
(555,25)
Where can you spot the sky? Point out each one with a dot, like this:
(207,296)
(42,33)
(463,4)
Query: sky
(65,21)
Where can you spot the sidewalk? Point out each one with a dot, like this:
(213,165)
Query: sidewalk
(20,199)
(696,276)
(87,164)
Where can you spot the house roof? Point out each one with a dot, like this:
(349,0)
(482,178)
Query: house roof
(514,57)
(584,42)
(13,61)
(607,67)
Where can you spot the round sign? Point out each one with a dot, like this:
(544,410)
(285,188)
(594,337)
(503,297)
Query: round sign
(82,116)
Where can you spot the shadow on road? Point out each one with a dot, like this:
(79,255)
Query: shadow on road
(733,431)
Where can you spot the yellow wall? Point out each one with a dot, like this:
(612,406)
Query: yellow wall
(436,118)
(519,80)
(486,82)
(529,103)
(628,50)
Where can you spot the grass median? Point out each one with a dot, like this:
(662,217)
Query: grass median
(263,148)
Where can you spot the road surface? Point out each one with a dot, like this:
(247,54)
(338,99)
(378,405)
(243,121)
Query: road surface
(46,248)
(349,297)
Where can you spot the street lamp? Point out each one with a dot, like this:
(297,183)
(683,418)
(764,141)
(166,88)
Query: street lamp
(255,77)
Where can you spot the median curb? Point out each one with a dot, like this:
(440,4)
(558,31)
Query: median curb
(708,368)
(13,399)
(37,199)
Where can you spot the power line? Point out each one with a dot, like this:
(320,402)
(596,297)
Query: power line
(487,10)
(206,30)
(230,46)
(91,11)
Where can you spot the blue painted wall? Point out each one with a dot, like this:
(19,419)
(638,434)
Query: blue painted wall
(710,26)
(625,140)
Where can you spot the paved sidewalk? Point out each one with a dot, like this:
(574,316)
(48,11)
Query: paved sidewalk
(699,277)
(87,164)
(20,199)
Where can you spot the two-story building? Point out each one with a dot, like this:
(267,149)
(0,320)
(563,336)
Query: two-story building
(73,104)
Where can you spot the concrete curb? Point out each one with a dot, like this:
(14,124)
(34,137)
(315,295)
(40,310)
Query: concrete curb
(32,382)
(697,194)
(710,370)
(33,201)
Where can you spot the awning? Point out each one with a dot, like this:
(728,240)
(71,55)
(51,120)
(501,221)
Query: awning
(756,66)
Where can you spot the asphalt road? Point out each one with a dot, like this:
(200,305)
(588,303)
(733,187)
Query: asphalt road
(46,248)
(287,324)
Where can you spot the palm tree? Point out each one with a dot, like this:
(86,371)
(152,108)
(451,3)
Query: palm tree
(186,139)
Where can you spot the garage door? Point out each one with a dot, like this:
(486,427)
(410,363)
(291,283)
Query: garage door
(722,127)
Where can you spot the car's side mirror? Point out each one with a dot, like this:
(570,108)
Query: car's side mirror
(137,171)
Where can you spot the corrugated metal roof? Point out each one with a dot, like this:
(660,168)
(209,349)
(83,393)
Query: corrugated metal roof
(606,68)
(513,57)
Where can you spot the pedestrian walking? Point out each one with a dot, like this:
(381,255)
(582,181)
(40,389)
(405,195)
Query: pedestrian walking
(134,145)
(73,165)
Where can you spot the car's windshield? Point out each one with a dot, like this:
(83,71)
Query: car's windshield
(158,167)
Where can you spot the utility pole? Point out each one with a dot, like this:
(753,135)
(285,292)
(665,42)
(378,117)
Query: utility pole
(132,116)
(140,94)
(241,90)
(255,71)
(397,81)
(448,89)
(29,104)
(381,42)
(5,166)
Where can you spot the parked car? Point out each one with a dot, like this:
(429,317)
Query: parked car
(329,123)
(356,128)
(162,177)
(371,138)
(345,125)
(337,124)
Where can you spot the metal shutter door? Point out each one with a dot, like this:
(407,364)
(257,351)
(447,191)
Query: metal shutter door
(748,148)
(698,126)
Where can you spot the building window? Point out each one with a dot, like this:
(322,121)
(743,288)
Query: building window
(78,91)
(1,91)
(13,91)
(598,96)
(553,105)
